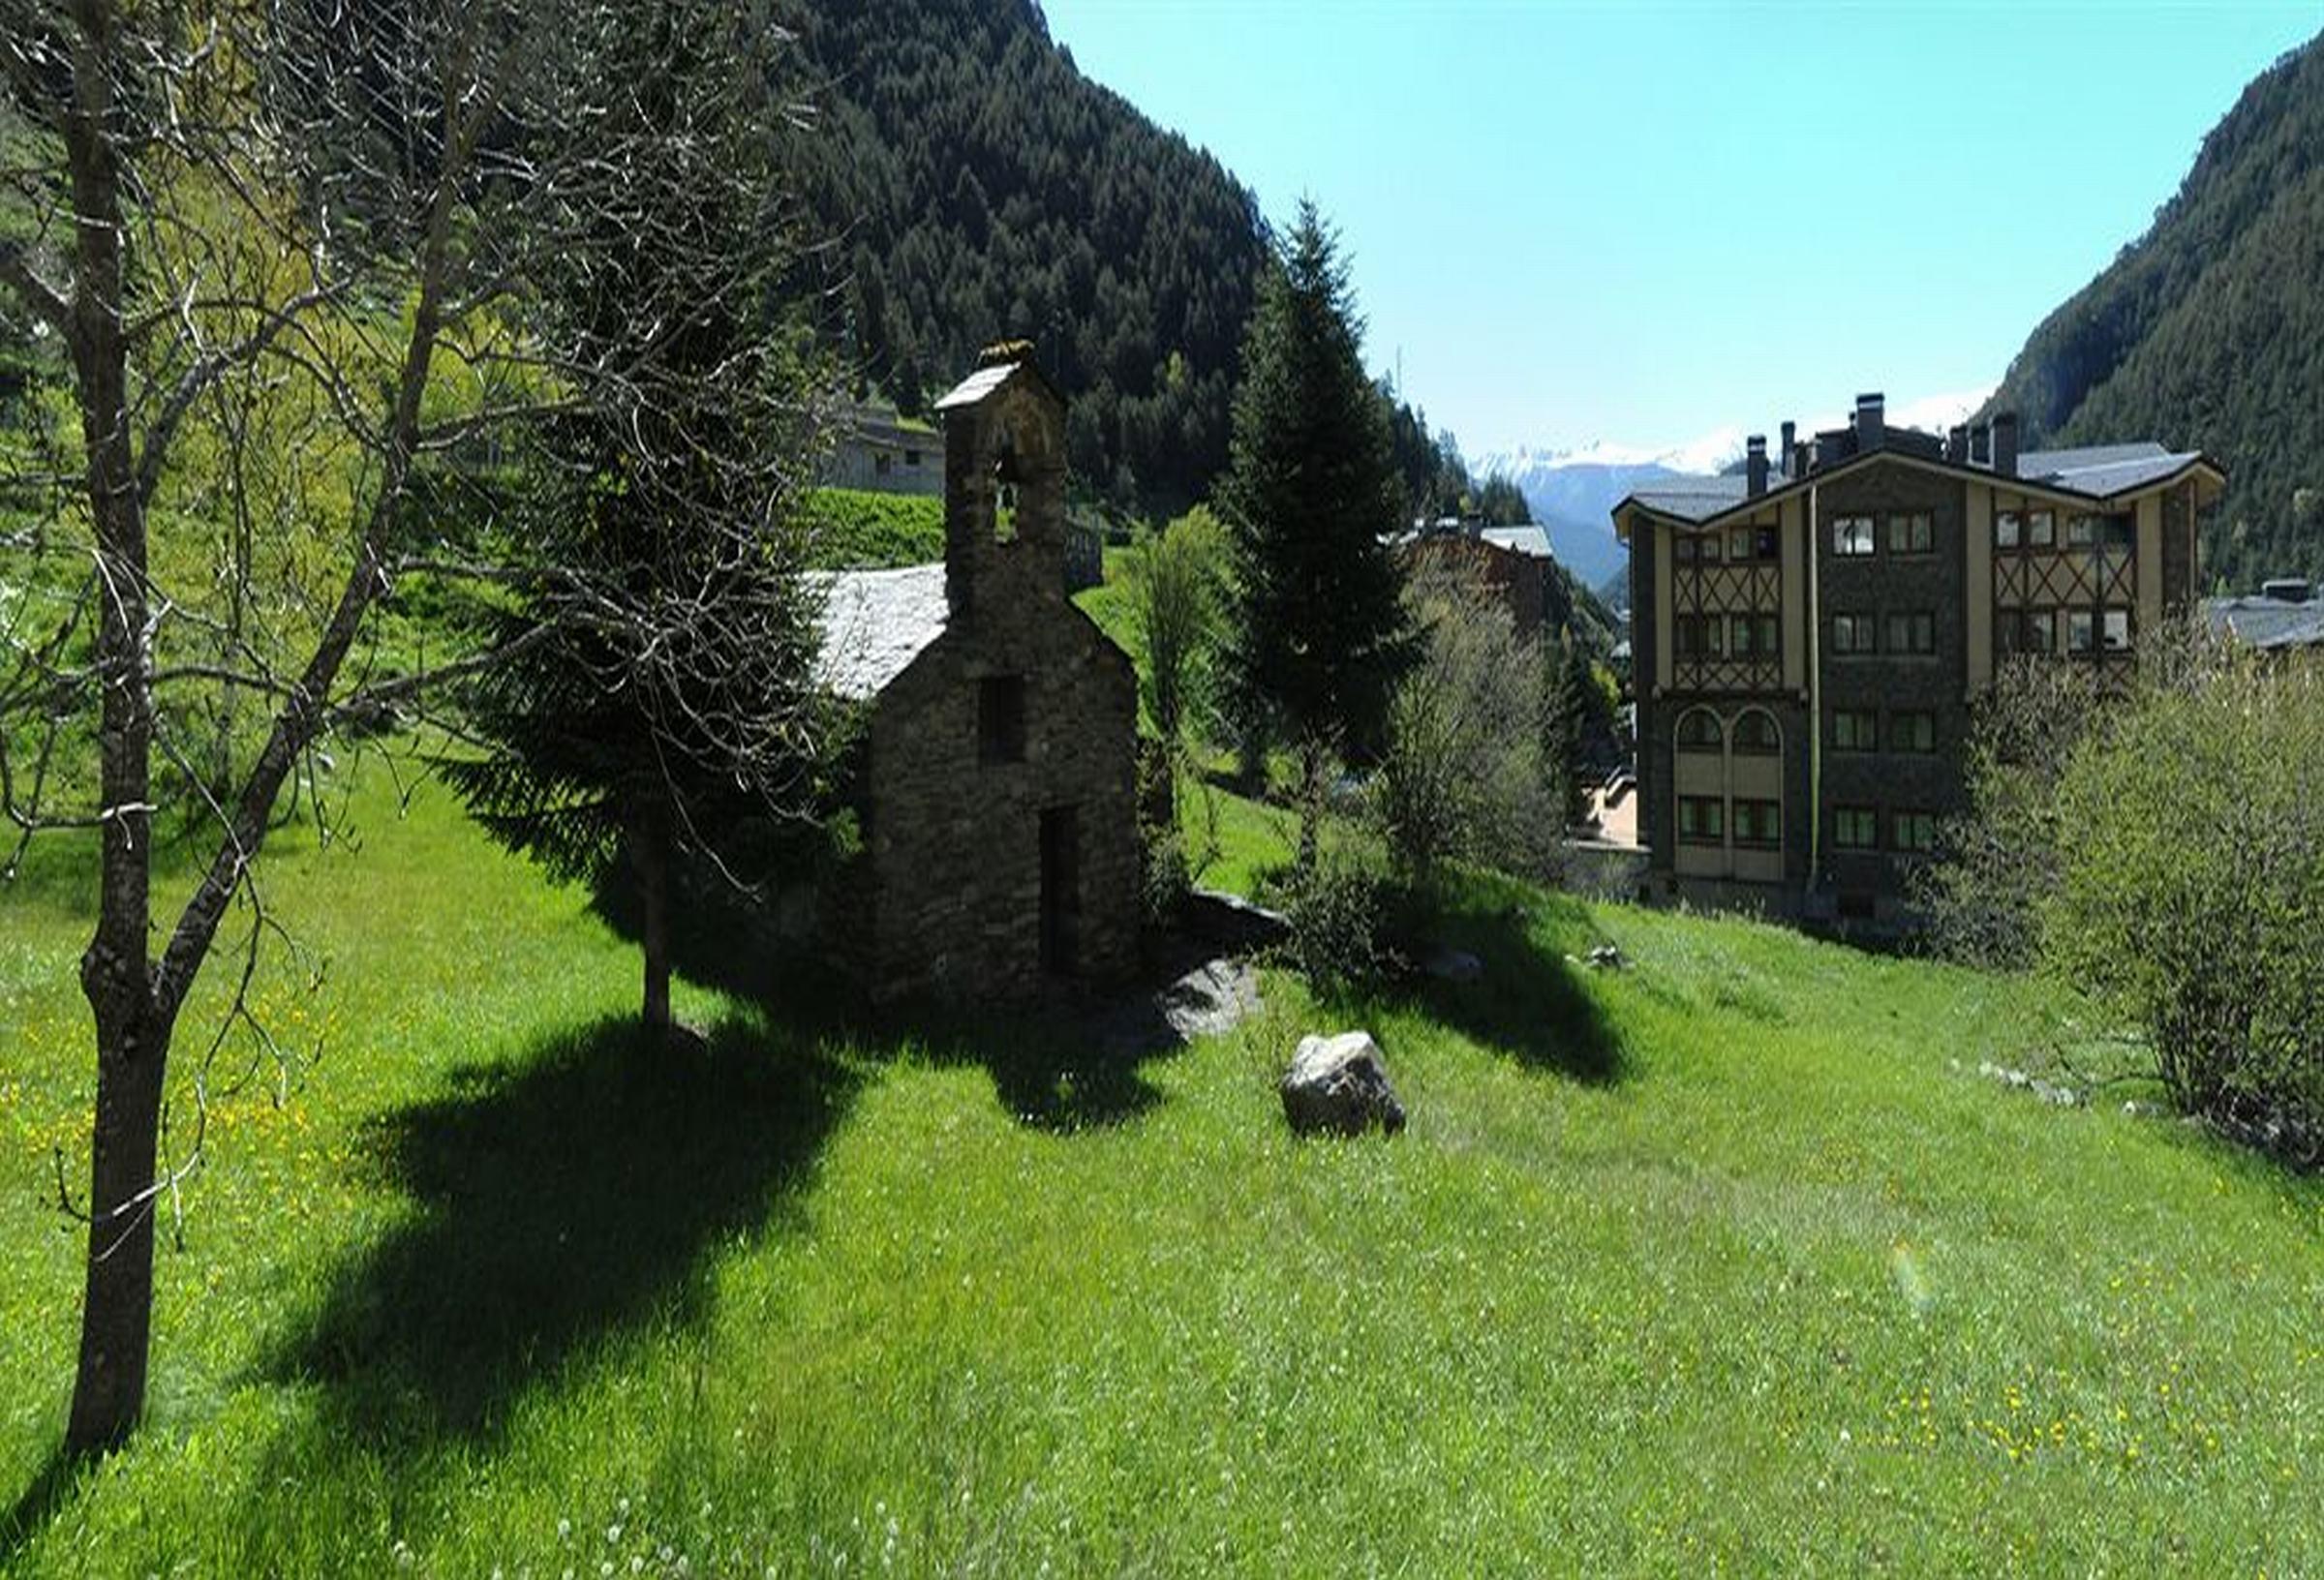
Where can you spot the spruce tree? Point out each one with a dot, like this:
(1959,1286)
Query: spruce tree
(660,713)
(1311,496)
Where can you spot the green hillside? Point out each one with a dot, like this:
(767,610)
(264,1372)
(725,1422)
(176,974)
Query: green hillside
(1730,1262)
(2208,332)
(981,186)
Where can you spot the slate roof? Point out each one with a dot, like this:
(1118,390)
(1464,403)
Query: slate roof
(2268,623)
(2103,468)
(1527,540)
(1692,499)
(2100,471)
(977,385)
(875,622)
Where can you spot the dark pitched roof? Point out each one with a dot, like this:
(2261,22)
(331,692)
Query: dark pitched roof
(2098,473)
(2103,469)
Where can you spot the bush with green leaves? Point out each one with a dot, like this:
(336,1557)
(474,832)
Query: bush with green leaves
(1341,908)
(2188,894)
(1465,776)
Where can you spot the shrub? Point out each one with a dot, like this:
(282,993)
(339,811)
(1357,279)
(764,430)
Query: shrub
(1340,908)
(1465,774)
(2189,894)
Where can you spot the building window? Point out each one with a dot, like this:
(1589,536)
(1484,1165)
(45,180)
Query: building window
(1913,633)
(1701,819)
(1855,729)
(1913,832)
(2028,631)
(2081,531)
(911,458)
(1854,633)
(1702,636)
(1756,735)
(1740,541)
(2115,629)
(1750,634)
(2078,631)
(1000,720)
(2117,532)
(1765,542)
(1699,730)
(1913,730)
(2041,529)
(1851,537)
(1913,533)
(1682,549)
(882,464)
(1706,548)
(1759,823)
(1855,827)
(2009,528)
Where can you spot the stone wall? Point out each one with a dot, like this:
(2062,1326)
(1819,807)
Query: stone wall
(955,841)
(957,806)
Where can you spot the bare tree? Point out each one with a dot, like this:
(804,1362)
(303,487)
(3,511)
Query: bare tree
(290,250)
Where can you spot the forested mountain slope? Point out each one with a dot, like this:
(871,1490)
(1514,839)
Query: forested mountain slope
(2208,332)
(979,186)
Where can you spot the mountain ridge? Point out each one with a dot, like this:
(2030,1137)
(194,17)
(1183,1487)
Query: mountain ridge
(2207,331)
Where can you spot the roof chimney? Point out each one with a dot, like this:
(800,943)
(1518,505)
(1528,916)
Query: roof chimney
(1872,421)
(1956,444)
(1790,457)
(2005,444)
(1754,463)
(1980,446)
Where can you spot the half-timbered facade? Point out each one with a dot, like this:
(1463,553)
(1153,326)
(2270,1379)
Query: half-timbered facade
(1808,636)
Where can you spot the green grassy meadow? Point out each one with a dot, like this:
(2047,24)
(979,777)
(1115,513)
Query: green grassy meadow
(1726,1262)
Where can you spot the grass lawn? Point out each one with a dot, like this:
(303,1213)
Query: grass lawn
(1728,1261)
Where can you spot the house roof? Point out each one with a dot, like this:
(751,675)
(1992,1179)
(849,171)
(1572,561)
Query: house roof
(2268,623)
(875,622)
(2103,468)
(1527,540)
(2097,473)
(1692,499)
(989,378)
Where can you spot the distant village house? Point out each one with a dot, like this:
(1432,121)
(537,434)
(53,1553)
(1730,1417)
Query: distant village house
(885,453)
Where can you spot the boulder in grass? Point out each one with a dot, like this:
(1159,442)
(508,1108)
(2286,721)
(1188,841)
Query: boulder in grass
(1339,1084)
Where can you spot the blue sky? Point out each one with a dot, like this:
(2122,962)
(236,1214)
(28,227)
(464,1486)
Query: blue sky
(1642,222)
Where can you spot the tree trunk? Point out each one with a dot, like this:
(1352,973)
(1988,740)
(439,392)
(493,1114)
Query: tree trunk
(650,851)
(116,1319)
(132,1040)
(1311,801)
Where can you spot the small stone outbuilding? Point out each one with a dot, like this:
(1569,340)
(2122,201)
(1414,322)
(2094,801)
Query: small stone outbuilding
(1001,857)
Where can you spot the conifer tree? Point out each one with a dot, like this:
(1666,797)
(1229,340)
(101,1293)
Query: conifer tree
(664,714)
(1311,496)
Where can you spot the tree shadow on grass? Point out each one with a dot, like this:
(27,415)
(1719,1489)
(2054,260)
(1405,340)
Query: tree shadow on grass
(51,1488)
(1070,1065)
(1530,1003)
(568,1197)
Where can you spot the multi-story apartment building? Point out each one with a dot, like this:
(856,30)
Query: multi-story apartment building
(1807,641)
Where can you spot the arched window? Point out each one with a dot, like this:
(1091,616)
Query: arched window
(1756,735)
(1698,731)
